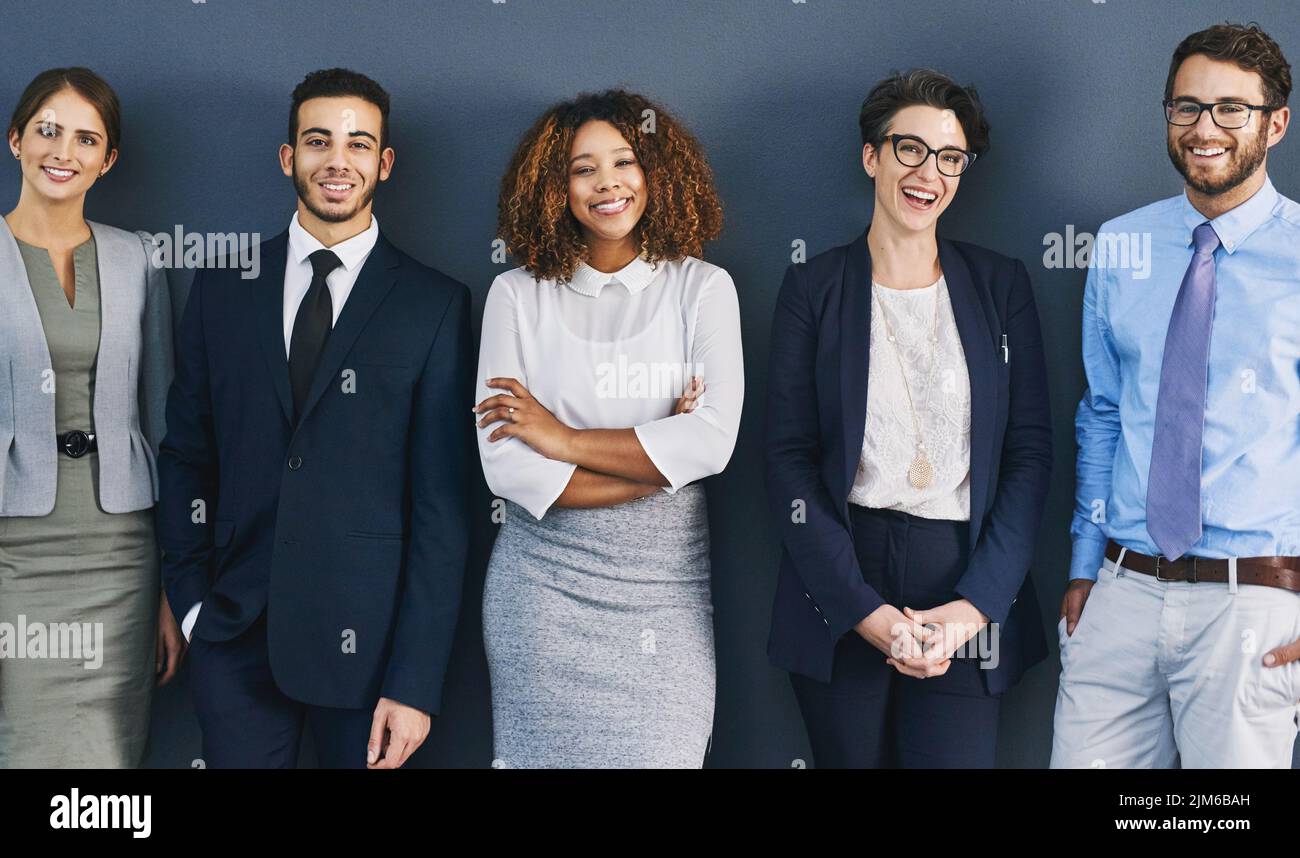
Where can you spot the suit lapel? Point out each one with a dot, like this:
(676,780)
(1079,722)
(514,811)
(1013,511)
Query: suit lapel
(113,261)
(855,351)
(268,314)
(19,304)
(977,344)
(376,278)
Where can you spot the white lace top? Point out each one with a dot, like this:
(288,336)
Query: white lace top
(942,407)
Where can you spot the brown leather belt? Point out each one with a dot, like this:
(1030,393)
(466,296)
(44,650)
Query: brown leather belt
(1281,572)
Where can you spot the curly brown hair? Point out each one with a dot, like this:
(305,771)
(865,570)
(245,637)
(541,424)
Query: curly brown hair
(1249,47)
(682,206)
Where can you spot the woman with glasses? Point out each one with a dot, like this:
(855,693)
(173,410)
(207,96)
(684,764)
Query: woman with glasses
(908,451)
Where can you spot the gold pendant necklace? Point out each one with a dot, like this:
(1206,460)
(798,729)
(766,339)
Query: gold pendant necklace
(920,473)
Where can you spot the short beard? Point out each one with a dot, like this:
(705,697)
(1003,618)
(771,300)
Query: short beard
(1244,163)
(303,188)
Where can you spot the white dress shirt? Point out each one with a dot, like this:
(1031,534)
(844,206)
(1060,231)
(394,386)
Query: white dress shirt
(353,253)
(942,406)
(615,351)
(297,270)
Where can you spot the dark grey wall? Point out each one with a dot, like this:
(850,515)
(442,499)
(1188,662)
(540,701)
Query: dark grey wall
(771,87)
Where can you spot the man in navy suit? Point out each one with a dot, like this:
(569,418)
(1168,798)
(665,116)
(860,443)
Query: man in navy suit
(313,507)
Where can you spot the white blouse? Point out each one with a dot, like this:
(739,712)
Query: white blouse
(615,351)
(942,407)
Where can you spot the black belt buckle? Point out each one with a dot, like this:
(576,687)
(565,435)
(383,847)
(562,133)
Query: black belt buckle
(75,443)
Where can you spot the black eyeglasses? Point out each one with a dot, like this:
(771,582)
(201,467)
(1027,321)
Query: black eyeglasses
(1226,114)
(911,151)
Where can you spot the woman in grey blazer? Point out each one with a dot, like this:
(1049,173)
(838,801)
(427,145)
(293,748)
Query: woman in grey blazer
(85,362)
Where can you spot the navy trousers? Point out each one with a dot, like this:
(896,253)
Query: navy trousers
(249,723)
(871,716)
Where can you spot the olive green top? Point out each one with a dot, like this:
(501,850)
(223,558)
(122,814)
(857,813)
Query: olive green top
(72,332)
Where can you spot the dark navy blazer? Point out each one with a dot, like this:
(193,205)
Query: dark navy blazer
(816,412)
(351,528)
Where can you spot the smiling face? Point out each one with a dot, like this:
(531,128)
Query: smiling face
(607,188)
(1215,160)
(64,147)
(912,198)
(336,162)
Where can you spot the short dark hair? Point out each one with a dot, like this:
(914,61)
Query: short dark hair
(1249,47)
(929,87)
(85,83)
(329,83)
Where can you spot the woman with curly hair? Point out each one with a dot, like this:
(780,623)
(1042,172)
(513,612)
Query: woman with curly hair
(610,382)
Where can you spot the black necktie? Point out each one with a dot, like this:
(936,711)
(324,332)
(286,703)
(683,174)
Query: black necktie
(311,327)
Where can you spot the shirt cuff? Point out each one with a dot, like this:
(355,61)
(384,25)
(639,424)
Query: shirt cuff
(540,506)
(1086,560)
(187,624)
(650,443)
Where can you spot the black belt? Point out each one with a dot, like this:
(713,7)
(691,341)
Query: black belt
(77,443)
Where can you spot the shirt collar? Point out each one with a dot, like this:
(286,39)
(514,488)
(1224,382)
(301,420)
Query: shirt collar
(1234,226)
(635,276)
(351,252)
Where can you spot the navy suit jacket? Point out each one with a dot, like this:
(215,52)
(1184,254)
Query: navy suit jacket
(816,412)
(350,528)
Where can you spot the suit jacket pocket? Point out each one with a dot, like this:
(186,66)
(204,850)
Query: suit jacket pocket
(365,534)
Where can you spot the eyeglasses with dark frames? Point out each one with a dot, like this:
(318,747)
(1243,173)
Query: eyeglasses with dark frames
(1226,114)
(911,151)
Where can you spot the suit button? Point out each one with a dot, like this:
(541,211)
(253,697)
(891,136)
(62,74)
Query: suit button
(295,462)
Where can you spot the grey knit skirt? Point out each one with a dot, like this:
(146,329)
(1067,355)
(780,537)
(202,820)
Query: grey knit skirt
(598,626)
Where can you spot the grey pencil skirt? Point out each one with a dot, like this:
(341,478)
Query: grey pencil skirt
(83,700)
(598,626)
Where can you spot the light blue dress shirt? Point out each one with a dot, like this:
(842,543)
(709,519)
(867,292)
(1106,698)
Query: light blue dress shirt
(1250,460)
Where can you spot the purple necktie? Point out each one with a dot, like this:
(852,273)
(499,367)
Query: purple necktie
(1174,482)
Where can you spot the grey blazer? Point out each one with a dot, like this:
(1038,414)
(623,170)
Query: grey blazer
(132,374)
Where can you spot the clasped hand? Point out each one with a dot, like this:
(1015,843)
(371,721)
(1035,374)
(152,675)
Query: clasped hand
(922,643)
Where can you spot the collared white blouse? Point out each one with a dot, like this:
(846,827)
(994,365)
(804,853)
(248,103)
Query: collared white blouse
(615,351)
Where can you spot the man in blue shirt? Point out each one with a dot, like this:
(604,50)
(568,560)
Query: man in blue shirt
(1186,529)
